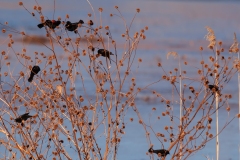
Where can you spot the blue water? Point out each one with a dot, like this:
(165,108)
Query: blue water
(173,26)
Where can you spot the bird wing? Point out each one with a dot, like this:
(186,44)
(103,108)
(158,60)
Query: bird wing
(26,114)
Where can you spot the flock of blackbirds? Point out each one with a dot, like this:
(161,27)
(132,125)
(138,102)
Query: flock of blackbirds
(72,27)
(52,24)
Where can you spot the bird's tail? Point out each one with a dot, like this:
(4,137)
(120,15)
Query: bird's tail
(30,78)
(40,25)
(80,21)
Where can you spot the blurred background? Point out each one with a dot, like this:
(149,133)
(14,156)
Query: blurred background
(173,26)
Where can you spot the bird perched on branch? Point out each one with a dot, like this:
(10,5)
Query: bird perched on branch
(23,117)
(159,152)
(34,71)
(50,23)
(105,53)
(90,22)
(73,26)
(214,88)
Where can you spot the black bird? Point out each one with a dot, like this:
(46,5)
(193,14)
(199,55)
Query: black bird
(161,152)
(34,71)
(22,117)
(209,120)
(90,22)
(215,88)
(50,23)
(73,26)
(105,53)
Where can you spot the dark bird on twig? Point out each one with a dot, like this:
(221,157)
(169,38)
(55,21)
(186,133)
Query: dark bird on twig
(23,117)
(105,53)
(209,120)
(34,71)
(73,26)
(50,23)
(90,22)
(214,88)
(160,152)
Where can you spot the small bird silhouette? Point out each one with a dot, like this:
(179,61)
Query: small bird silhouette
(105,53)
(90,22)
(73,26)
(23,117)
(209,120)
(50,23)
(161,152)
(34,71)
(214,88)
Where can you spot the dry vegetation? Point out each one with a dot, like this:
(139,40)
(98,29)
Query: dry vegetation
(68,123)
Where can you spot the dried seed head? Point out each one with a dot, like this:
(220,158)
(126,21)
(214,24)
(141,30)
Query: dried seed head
(199,71)
(228,108)
(238,115)
(210,136)
(39,8)
(107,27)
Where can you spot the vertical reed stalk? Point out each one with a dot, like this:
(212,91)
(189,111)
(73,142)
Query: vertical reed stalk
(239,108)
(180,87)
(217,99)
